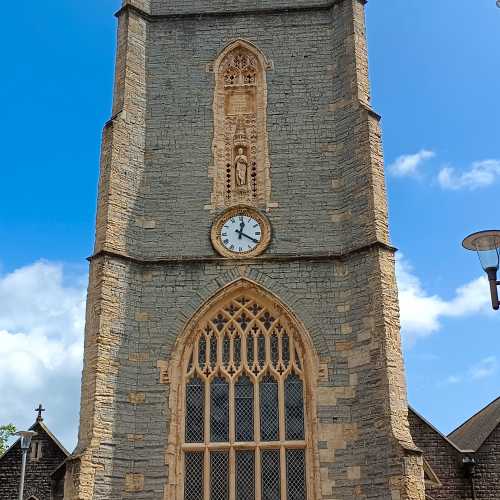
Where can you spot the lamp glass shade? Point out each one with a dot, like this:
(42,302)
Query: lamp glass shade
(490,259)
(487,246)
(26,437)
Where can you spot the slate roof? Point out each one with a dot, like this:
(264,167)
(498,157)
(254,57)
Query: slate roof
(437,431)
(474,432)
(37,426)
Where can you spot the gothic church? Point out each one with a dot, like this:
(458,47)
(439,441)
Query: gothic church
(242,334)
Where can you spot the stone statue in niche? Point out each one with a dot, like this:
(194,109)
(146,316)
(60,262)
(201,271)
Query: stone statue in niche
(241,169)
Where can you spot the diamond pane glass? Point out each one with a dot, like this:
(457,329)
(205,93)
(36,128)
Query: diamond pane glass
(193,483)
(195,411)
(269,409)
(261,346)
(245,475)
(243,408)
(213,350)
(296,475)
(274,349)
(202,351)
(237,351)
(250,355)
(219,411)
(285,345)
(294,408)
(270,475)
(219,475)
(226,350)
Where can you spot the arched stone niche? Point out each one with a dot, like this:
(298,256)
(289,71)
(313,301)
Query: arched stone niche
(241,168)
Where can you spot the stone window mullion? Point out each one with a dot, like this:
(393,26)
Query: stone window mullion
(233,390)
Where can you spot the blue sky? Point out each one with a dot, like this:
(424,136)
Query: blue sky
(435,73)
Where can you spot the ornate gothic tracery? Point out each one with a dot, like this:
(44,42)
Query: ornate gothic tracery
(244,432)
(241,168)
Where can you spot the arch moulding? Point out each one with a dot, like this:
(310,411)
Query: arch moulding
(181,358)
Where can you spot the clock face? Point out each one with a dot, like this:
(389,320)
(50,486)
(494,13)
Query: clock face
(241,232)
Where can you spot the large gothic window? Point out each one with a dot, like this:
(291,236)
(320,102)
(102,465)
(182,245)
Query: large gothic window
(244,432)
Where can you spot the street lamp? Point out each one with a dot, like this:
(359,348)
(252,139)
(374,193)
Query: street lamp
(487,246)
(25,446)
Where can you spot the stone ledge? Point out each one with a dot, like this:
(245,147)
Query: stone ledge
(324,256)
(325,5)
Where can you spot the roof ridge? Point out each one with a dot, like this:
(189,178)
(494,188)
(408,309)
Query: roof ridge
(475,415)
(435,429)
(476,429)
(51,435)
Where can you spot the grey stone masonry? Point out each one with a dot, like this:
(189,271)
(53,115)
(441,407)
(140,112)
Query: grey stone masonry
(329,262)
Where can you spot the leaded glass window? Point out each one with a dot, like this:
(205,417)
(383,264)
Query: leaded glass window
(195,411)
(219,411)
(269,409)
(245,427)
(245,475)
(243,409)
(294,408)
(193,488)
(270,472)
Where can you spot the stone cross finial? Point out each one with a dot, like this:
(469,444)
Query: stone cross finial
(40,409)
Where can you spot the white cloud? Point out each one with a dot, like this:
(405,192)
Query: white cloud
(408,165)
(42,309)
(453,379)
(481,174)
(485,368)
(421,312)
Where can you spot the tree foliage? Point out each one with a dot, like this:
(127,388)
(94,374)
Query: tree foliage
(6,431)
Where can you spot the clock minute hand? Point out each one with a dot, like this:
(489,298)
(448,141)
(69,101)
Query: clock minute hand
(241,233)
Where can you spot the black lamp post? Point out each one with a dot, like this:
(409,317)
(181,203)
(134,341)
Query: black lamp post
(487,246)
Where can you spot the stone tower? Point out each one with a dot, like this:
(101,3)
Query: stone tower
(242,336)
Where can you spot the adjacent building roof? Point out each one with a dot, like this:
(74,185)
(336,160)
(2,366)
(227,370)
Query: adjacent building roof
(36,427)
(474,432)
(437,431)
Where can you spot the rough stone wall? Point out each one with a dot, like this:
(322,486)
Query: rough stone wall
(445,460)
(144,308)
(327,173)
(487,471)
(38,480)
(324,141)
(190,7)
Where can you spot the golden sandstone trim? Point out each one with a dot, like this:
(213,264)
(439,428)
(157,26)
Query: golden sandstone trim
(178,369)
(241,169)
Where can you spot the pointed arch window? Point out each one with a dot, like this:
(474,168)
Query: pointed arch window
(244,426)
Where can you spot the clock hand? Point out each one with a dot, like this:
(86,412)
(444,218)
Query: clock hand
(241,233)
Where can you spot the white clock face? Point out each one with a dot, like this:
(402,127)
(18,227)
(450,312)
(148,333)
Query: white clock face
(240,233)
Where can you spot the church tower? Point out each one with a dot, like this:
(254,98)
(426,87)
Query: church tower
(242,334)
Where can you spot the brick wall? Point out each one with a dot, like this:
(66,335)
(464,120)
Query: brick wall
(445,460)
(487,471)
(38,481)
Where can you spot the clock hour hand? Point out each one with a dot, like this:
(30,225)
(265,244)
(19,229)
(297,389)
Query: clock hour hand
(241,233)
